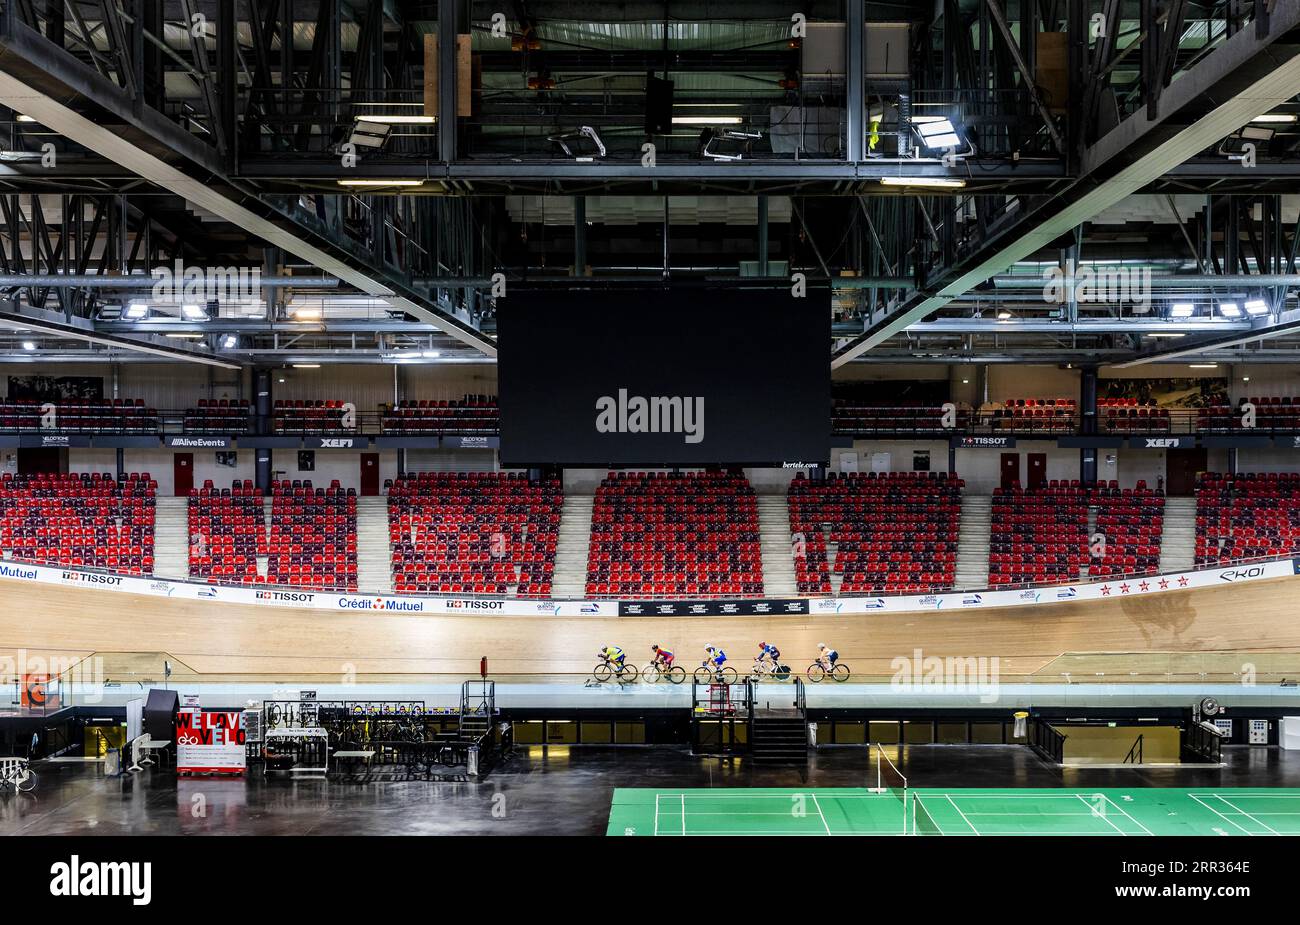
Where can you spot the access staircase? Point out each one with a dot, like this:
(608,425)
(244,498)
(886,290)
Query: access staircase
(571,545)
(974,533)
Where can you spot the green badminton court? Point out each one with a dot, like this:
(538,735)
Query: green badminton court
(846,811)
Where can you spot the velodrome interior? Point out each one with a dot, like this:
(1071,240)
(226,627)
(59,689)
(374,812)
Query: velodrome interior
(398,378)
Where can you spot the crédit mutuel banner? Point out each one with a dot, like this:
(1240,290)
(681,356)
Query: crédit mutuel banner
(384,604)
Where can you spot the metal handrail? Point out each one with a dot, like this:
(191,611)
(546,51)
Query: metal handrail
(1134,755)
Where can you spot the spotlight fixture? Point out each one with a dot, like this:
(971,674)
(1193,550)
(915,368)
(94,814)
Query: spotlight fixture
(1233,147)
(367,133)
(938,134)
(194,312)
(136,311)
(1229,310)
(710,137)
(1256,307)
(230,342)
(1181,310)
(29,345)
(592,137)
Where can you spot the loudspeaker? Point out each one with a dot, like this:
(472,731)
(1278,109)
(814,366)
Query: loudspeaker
(160,715)
(658,105)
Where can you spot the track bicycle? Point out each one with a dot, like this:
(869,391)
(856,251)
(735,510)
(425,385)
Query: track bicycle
(674,674)
(707,674)
(16,771)
(606,670)
(765,670)
(818,671)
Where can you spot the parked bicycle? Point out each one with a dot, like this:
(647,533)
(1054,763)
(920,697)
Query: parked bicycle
(605,670)
(16,771)
(818,671)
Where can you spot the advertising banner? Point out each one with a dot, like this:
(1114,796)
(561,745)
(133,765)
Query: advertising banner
(391,604)
(981,443)
(718,608)
(210,742)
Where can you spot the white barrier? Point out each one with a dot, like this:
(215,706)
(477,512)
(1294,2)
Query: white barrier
(483,606)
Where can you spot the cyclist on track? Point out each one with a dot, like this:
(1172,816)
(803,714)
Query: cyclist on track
(715,656)
(663,658)
(826,657)
(768,651)
(614,655)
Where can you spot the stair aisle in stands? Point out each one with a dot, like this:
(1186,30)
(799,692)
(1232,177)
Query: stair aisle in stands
(774,535)
(571,547)
(374,557)
(1178,541)
(171,538)
(973,542)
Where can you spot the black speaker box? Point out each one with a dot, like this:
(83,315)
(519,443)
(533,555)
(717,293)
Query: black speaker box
(658,105)
(160,715)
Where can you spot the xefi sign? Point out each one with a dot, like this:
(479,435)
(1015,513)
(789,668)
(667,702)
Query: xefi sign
(664,376)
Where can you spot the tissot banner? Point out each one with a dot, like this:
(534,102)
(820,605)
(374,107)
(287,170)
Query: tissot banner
(976,442)
(652,377)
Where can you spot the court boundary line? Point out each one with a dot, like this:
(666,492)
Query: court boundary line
(949,798)
(1225,806)
(826,825)
(1127,815)
(1250,816)
(1230,822)
(1093,811)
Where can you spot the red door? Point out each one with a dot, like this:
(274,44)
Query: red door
(1181,468)
(183,474)
(1010,469)
(1037,470)
(369,473)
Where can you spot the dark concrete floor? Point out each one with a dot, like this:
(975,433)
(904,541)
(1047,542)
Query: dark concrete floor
(538,791)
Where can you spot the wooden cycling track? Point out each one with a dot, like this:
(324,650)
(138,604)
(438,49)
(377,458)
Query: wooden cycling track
(230,639)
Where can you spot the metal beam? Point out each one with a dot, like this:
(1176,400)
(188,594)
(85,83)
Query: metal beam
(1004,29)
(98,281)
(19,321)
(61,118)
(1249,75)
(855,33)
(1264,332)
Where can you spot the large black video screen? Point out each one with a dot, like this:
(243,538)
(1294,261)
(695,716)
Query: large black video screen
(677,376)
